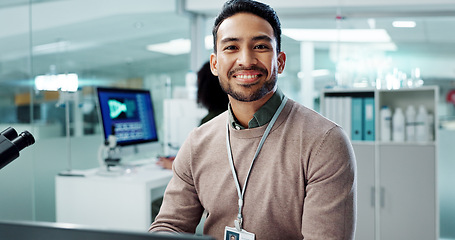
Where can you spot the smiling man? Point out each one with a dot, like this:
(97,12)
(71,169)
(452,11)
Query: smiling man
(268,167)
(247,62)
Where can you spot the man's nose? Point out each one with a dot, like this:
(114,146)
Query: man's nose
(247,58)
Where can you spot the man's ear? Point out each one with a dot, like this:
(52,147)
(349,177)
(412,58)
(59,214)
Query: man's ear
(213,64)
(281,61)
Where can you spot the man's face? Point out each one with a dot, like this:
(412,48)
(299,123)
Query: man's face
(246,61)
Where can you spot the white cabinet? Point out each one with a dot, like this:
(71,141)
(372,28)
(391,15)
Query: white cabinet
(407,191)
(365,155)
(396,181)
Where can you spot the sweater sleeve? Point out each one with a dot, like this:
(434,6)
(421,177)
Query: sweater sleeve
(329,210)
(181,210)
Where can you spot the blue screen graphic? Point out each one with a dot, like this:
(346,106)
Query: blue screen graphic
(129,112)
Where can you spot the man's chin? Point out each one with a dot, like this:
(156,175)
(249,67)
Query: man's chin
(249,96)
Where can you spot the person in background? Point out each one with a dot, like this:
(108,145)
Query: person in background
(211,96)
(268,167)
(165,162)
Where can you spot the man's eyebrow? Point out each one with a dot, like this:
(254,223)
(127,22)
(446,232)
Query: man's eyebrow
(255,38)
(230,39)
(262,37)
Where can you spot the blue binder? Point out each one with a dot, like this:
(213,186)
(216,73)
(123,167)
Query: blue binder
(368,127)
(357,119)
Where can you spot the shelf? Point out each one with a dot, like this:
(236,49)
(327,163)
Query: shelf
(363,143)
(432,143)
(426,96)
(423,88)
(390,174)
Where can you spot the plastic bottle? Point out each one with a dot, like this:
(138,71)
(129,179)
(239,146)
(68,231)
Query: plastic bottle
(386,123)
(410,123)
(421,125)
(398,134)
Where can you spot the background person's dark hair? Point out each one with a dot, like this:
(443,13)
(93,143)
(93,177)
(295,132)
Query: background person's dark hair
(262,10)
(209,92)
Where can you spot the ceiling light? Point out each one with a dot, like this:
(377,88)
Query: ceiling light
(338,35)
(173,47)
(51,47)
(178,46)
(363,47)
(404,24)
(63,82)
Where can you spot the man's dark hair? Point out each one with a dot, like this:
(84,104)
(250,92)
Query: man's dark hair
(232,7)
(209,92)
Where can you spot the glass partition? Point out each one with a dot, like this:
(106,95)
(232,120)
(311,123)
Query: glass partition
(16,183)
(53,56)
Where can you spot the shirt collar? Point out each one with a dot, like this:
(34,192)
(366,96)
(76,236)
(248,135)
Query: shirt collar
(263,115)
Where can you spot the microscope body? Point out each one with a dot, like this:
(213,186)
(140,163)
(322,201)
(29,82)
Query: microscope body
(113,151)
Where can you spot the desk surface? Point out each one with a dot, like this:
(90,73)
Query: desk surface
(134,174)
(117,201)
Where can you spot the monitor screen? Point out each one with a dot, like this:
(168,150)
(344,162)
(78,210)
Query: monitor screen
(129,113)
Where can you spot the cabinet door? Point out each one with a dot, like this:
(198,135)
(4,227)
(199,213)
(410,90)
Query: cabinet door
(364,154)
(407,191)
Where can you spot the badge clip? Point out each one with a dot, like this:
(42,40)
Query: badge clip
(238,224)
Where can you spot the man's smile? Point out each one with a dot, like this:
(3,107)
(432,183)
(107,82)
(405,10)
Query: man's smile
(245,78)
(248,76)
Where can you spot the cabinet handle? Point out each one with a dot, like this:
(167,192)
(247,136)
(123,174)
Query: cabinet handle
(382,197)
(372,196)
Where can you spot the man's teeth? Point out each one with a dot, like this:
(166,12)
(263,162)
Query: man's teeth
(247,76)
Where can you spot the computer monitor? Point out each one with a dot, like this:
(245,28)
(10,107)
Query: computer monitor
(129,113)
(26,230)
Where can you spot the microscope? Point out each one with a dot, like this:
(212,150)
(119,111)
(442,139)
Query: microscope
(110,145)
(11,143)
(109,156)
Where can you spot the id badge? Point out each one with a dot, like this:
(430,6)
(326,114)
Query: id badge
(232,234)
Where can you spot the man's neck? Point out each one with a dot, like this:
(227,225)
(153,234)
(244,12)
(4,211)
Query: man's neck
(244,111)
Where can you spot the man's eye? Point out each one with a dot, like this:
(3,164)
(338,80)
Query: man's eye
(261,47)
(230,47)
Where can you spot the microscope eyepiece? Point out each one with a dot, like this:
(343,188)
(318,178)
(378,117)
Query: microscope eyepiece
(11,144)
(9,133)
(24,140)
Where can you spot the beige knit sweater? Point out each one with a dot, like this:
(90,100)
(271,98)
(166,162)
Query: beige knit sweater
(302,184)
